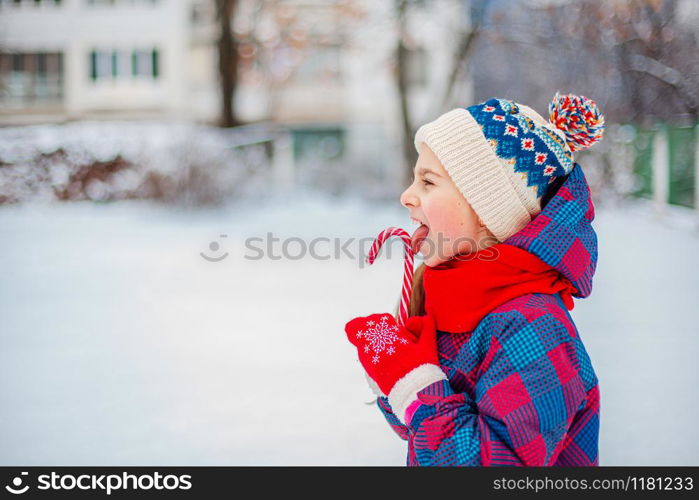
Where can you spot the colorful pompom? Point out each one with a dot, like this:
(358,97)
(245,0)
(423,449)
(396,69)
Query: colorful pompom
(579,118)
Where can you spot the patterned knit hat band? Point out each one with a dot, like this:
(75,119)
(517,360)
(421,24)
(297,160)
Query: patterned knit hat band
(502,155)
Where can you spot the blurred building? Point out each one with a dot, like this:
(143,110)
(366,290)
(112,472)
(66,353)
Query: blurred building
(77,59)
(324,69)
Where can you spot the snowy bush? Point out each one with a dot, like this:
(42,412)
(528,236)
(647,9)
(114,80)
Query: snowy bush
(174,163)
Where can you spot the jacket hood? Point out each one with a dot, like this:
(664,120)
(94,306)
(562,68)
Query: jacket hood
(561,234)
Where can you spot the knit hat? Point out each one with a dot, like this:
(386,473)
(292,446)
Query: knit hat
(502,155)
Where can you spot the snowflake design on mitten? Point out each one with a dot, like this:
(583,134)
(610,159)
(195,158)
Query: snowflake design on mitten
(380,337)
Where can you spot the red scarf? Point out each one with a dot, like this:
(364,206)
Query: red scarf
(461,291)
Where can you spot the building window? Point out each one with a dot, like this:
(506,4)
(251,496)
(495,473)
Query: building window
(123,65)
(119,2)
(202,12)
(145,63)
(115,64)
(103,65)
(155,63)
(322,64)
(38,3)
(31,79)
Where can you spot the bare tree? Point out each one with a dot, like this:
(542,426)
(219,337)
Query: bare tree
(227,62)
(276,38)
(466,37)
(286,34)
(409,152)
(637,57)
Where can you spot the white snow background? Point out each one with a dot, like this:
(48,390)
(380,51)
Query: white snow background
(121,345)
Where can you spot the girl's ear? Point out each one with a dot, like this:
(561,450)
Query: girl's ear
(487,231)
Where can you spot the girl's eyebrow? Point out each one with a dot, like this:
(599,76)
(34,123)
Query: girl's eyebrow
(424,170)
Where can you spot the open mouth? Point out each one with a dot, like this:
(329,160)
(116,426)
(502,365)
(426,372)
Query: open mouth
(418,235)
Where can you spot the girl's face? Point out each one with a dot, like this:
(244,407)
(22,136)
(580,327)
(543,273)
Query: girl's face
(434,201)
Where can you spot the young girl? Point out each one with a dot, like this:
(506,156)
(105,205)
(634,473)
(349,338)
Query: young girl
(490,369)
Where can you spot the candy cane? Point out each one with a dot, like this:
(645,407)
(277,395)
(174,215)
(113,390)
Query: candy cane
(408,270)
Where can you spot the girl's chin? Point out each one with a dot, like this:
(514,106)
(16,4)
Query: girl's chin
(424,250)
(429,255)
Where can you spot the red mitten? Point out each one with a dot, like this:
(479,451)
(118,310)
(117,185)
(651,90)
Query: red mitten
(401,360)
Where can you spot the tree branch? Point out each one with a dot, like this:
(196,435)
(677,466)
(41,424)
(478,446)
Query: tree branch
(668,75)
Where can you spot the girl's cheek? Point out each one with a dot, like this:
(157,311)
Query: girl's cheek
(447,219)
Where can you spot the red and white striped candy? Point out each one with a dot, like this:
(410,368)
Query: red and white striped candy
(408,270)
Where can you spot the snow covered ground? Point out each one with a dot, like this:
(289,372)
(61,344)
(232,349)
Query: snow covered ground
(122,345)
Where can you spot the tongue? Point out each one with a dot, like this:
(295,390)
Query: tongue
(417,237)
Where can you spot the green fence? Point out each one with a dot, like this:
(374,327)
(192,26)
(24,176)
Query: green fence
(682,142)
(326,142)
(643,157)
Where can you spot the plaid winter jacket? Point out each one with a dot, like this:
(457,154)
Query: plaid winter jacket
(521,389)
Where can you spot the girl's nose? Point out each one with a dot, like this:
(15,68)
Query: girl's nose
(408,199)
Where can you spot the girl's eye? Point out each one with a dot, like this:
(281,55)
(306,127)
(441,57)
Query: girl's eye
(427,183)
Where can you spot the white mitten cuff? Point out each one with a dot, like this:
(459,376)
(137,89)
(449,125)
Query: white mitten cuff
(405,390)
